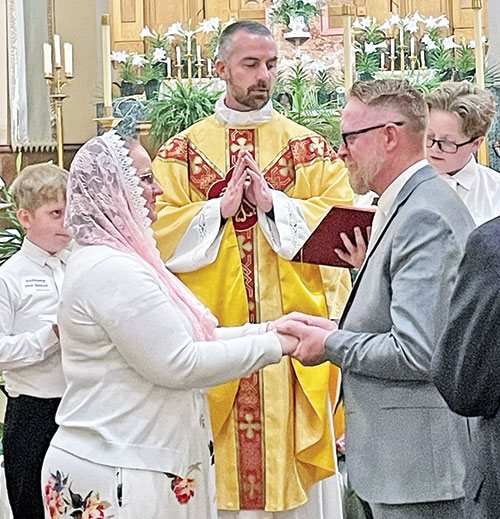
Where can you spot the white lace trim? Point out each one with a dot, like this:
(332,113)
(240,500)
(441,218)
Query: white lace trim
(121,153)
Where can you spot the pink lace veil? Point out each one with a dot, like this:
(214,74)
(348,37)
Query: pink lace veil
(105,206)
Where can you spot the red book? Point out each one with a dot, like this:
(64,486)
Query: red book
(320,246)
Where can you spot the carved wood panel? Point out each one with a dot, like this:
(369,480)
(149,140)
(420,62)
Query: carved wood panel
(127,21)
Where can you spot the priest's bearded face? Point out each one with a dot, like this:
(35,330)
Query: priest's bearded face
(362,152)
(249,70)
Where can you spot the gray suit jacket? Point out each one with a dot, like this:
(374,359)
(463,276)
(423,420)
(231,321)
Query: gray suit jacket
(403,444)
(466,365)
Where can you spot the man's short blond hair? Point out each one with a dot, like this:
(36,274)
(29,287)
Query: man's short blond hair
(38,184)
(395,95)
(474,107)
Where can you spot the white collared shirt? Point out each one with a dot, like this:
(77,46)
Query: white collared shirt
(230,118)
(388,197)
(479,189)
(30,355)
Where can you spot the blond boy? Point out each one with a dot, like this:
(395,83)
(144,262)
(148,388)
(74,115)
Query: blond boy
(460,115)
(29,344)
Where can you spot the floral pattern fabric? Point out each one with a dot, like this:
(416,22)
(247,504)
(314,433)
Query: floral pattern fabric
(61,502)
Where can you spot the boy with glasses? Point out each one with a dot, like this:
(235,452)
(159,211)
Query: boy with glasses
(460,116)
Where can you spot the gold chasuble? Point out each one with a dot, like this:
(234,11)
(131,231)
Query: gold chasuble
(272,430)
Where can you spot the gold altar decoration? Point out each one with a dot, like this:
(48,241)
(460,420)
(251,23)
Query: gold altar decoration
(53,73)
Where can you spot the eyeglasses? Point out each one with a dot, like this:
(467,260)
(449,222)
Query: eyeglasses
(447,146)
(496,148)
(147,177)
(346,135)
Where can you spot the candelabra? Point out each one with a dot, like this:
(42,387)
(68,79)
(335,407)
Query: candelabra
(56,82)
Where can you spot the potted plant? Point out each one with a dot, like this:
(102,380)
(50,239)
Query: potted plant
(296,14)
(126,66)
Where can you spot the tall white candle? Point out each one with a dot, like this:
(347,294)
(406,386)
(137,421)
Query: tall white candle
(68,60)
(189,44)
(393,47)
(422,58)
(47,59)
(106,61)
(178,54)
(401,37)
(169,67)
(198,52)
(209,66)
(57,50)
(412,46)
(382,60)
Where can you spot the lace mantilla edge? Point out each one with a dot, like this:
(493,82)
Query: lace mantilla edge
(117,146)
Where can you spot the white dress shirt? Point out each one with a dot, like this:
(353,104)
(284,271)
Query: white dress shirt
(389,195)
(479,189)
(30,355)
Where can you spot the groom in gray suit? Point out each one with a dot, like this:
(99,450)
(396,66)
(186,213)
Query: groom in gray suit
(404,447)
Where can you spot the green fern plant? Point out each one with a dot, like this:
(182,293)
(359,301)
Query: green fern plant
(182,105)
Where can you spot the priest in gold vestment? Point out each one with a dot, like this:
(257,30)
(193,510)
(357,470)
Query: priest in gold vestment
(242,191)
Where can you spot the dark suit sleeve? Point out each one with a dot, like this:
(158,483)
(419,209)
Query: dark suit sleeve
(466,364)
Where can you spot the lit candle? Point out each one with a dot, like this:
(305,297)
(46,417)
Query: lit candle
(68,60)
(57,50)
(382,60)
(393,47)
(422,58)
(209,66)
(412,46)
(178,54)
(106,61)
(198,52)
(47,59)
(169,67)
(401,37)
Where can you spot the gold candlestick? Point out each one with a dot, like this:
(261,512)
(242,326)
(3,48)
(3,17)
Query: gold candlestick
(199,67)
(402,59)
(413,61)
(189,57)
(56,83)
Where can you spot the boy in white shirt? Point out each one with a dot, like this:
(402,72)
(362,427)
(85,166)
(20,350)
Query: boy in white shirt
(29,344)
(460,115)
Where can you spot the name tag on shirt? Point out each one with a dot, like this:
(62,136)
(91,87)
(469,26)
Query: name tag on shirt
(37,284)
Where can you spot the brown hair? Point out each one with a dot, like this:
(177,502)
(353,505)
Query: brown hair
(474,107)
(396,95)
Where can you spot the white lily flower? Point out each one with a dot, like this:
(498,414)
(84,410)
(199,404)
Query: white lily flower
(442,21)
(358,25)
(120,56)
(370,48)
(310,2)
(286,63)
(176,29)
(139,60)
(429,42)
(417,17)
(395,19)
(159,54)
(208,26)
(2,183)
(449,43)
(385,26)
(318,65)
(146,33)
(412,26)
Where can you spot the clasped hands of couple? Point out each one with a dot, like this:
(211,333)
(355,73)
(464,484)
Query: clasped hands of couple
(303,336)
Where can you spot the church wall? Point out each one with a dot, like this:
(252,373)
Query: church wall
(4,118)
(80,24)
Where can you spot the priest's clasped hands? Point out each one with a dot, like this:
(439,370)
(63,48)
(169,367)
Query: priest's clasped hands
(247,182)
(303,336)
